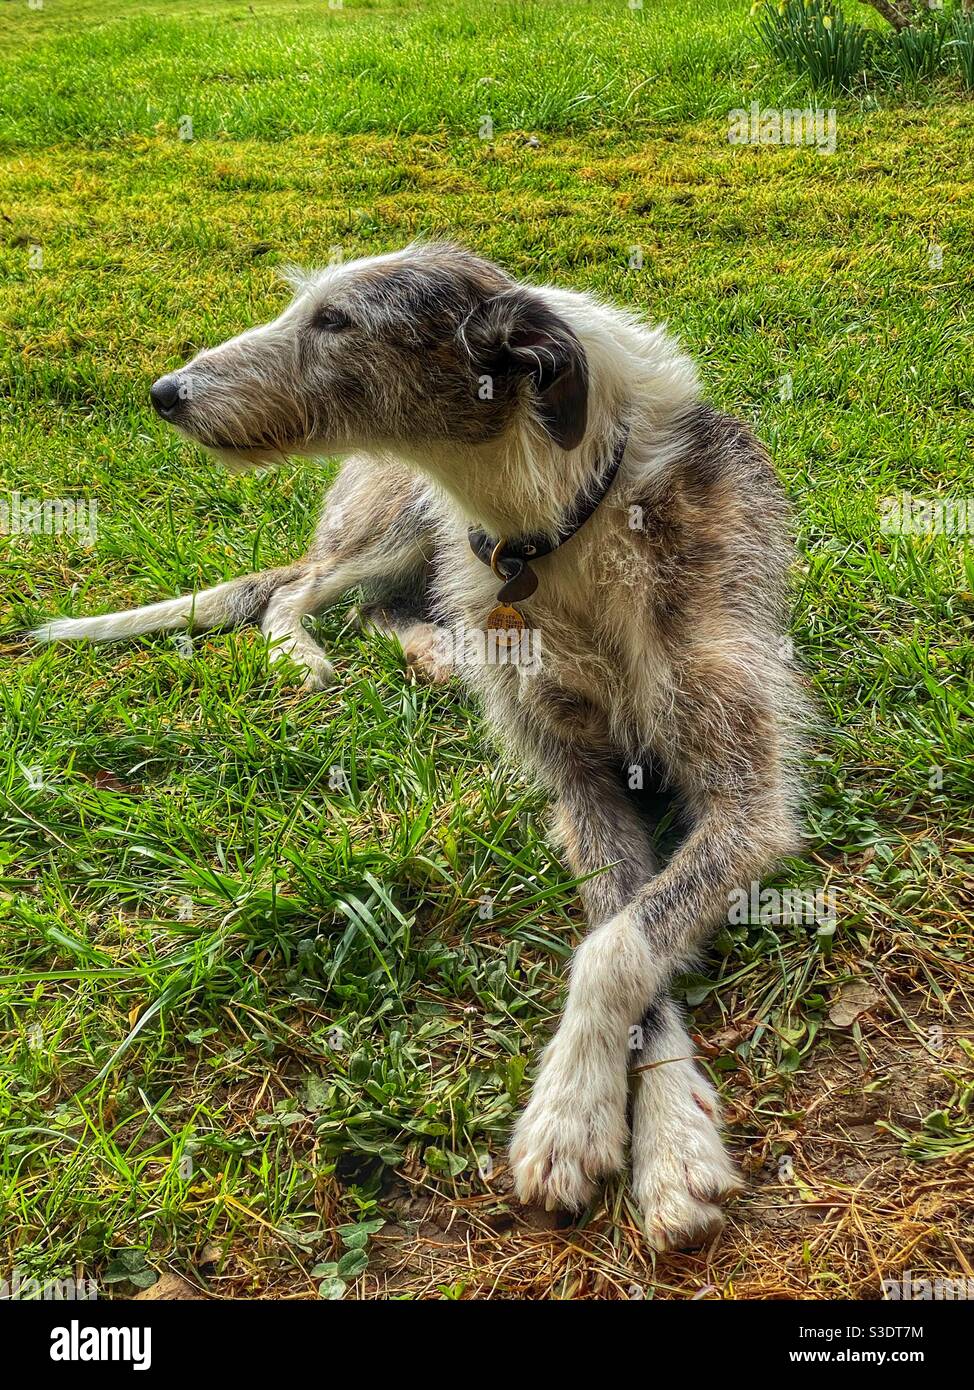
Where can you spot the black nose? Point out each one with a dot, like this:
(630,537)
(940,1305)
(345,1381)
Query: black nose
(166,395)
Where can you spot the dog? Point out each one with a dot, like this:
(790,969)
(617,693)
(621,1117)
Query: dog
(533,459)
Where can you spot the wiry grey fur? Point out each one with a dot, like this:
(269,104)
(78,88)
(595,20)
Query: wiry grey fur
(458,397)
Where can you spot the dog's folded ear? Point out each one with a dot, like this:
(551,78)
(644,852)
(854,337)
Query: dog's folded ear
(515,334)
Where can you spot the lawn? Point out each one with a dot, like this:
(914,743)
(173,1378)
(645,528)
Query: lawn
(274,968)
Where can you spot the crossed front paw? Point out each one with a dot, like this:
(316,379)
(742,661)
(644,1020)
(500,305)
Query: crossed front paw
(561,1150)
(570,1137)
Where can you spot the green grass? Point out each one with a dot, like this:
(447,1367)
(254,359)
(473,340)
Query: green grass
(279,69)
(237,988)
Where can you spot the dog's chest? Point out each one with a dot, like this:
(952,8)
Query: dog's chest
(583,667)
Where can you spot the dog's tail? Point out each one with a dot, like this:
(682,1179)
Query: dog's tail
(232,604)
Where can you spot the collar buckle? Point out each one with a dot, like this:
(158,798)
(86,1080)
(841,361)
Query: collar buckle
(509,560)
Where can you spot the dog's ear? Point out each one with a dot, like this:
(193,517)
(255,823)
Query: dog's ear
(516,334)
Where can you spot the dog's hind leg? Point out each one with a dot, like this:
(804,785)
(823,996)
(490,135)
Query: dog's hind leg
(374,533)
(282,625)
(393,569)
(403,611)
(374,529)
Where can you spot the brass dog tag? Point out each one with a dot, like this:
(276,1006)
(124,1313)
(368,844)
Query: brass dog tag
(506,618)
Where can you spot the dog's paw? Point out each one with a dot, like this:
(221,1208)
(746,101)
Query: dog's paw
(302,664)
(316,672)
(558,1155)
(681,1171)
(572,1133)
(679,1201)
(426,649)
(318,677)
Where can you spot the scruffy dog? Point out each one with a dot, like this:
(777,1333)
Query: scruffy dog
(539,440)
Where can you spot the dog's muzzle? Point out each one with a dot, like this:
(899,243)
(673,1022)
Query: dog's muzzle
(168,395)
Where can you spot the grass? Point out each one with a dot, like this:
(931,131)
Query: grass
(274,968)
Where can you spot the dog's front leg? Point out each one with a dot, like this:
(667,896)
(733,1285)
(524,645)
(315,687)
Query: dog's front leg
(680,1169)
(574,1131)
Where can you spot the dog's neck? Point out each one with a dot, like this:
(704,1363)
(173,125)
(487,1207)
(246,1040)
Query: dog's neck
(523,486)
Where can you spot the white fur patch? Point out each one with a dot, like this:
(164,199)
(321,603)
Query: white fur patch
(573,1131)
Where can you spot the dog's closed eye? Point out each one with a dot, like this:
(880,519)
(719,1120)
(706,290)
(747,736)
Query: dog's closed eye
(330,320)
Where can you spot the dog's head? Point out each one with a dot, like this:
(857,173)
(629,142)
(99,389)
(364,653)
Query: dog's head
(428,345)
